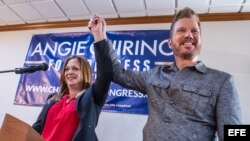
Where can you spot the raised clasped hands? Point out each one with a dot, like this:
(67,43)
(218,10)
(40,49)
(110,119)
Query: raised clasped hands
(97,27)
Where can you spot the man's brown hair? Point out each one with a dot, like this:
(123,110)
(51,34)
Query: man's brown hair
(183,13)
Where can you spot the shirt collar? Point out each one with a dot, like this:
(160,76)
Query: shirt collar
(200,66)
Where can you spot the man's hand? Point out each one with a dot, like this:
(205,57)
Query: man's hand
(97,27)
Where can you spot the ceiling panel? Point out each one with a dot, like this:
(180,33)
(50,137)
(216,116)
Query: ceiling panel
(200,6)
(14,1)
(225,6)
(74,9)
(2,22)
(247,2)
(1,3)
(27,12)
(160,7)
(246,7)
(101,7)
(44,11)
(36,0)
(130,8)
(49,10)
(9,16)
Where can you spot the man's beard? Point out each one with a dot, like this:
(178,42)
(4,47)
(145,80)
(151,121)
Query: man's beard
(187,54)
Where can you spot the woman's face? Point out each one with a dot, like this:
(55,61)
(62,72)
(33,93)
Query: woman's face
(73,77)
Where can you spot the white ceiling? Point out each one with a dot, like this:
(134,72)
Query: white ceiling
(14,12)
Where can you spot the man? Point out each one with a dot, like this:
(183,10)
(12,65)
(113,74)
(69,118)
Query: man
(187,100)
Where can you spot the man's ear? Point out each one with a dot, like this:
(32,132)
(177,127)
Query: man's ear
(170,43)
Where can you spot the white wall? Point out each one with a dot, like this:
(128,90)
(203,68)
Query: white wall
(225,47)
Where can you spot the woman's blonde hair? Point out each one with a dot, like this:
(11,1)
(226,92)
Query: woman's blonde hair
(86,75)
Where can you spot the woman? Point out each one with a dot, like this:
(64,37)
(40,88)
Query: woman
(72,114)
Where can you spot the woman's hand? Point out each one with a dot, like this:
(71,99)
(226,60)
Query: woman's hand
(97,27)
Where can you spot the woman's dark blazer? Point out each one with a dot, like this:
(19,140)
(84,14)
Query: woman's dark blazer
(90,103)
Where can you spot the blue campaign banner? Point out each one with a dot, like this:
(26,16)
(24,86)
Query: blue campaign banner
(137,50)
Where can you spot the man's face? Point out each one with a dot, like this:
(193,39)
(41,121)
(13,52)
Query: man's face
(186,39)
